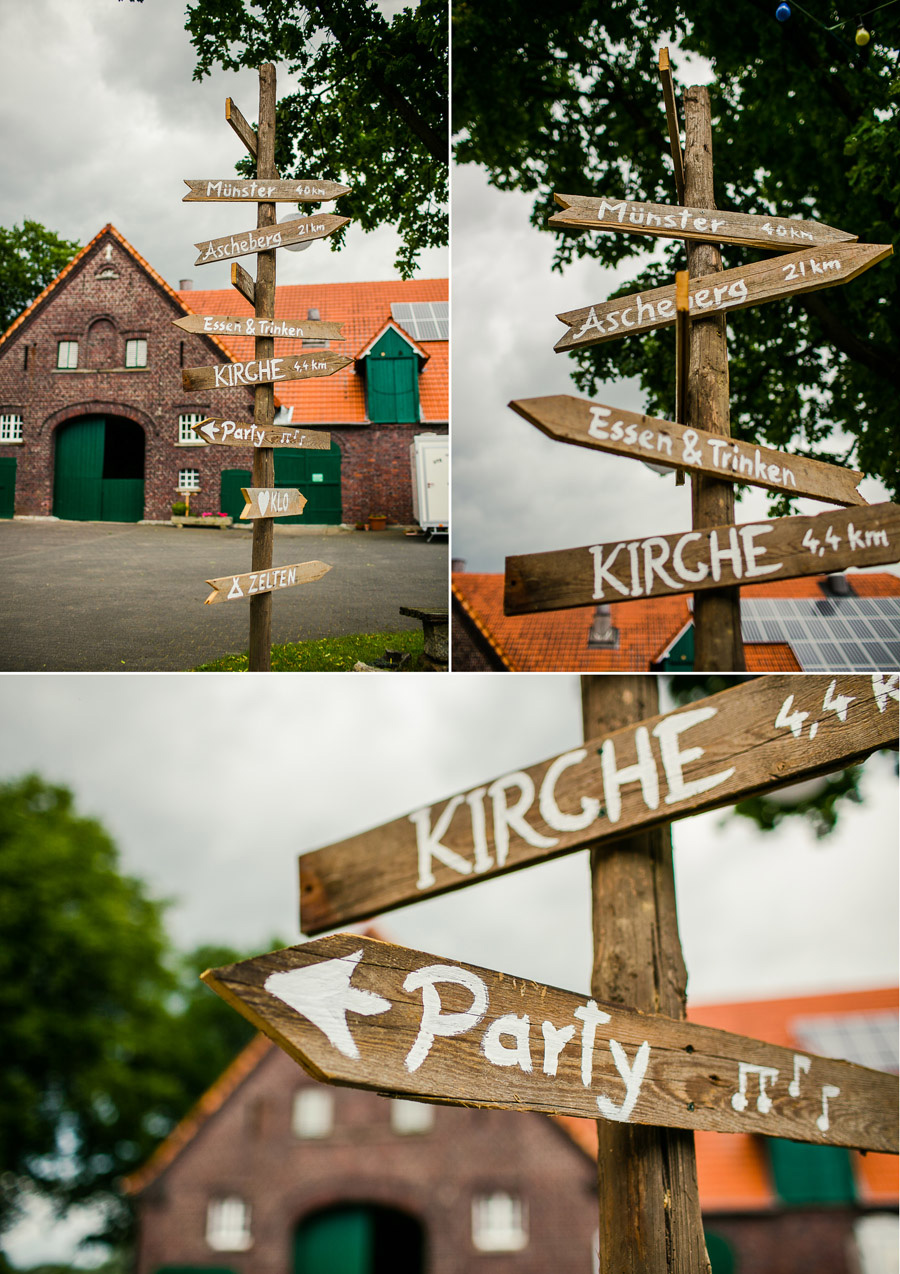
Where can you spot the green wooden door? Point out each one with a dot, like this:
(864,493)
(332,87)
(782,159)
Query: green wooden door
(7,486)
(78,479)
(317,475)
(392,381)
(230,499)
(336,1242)
(122,500)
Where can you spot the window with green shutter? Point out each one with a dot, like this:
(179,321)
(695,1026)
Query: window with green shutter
(806,1174)
(392,381)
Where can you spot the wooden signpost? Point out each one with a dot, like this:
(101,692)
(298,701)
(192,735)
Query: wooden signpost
(356,1011)
(664,442)
(586,212)
(225,325)
(228,588)
(274,190)
(241,433)
(264,371)
(773,280)
(786,548)
(246,242)
(712,753)
(272,502)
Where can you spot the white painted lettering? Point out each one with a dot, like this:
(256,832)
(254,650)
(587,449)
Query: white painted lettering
(674,760)
(433,1022)
(550,812)
(643,772)
(513,817)
(591,1016)
(501,1054)
(633,1075)
(429,845)
(555,1040)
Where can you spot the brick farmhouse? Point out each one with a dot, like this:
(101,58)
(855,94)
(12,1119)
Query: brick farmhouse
(95,423)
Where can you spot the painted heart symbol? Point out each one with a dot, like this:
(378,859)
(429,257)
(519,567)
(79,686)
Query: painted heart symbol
(263,499)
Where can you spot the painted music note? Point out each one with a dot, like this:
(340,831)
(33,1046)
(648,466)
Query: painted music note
(740,1100)
(801,1063)
(828,1091)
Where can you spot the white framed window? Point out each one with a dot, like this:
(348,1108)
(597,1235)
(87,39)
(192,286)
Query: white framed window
(228,1225)
(411,1117)
(10,427)
(312,1115)
(188,479)
(67,354)
(499,1223)
(136,353)
(876,1243)
(186,435)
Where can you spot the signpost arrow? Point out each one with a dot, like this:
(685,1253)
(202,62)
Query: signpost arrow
(230,587)
(262,371)
(273,190)
(585,212)
(662,442)
(715,557)
(758,735)
(272,502)
(369,1014)
(239,433)
(771,280)
(225,325)
(285,232)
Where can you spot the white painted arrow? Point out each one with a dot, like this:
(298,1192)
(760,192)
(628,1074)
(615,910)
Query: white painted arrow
(322,993)
(210,429)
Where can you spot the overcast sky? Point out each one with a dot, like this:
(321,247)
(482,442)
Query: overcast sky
(102,122)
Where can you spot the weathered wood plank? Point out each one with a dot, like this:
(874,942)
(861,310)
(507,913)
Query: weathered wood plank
(758,735)
(664,442)
(368,1014)
(240,126)
(244,282)
(272,502)
(264,371)
(668,88)
(228,325)
(709,225)
(771,280)
(786,548)
(249,190)
(229,588)
(246,242)
(240,433)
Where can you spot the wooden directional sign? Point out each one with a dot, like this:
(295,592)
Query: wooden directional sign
(239,433)
(368,1014)
(278,236)
(761,734)
(231,587)
(272,502)
(237,189)
(662,442)
(225,325)
(771,280)
(585,212)
(715,557)
(261,372)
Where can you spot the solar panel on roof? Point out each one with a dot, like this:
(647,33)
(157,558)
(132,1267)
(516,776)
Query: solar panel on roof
(868,1039)
(836,634)
(423,320)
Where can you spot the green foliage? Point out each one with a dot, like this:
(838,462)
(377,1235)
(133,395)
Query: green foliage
(370,108)
(567,98)
(107,1038)
(329,654)
(30,257)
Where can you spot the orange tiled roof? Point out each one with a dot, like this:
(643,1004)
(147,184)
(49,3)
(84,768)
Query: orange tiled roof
(732,1172)
(364,309)
(557,640)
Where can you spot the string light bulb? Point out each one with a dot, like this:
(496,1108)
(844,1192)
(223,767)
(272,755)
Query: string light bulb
(783,12)
(862,36)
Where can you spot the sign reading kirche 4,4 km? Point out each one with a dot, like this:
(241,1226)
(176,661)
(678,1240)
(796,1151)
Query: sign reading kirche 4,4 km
(356,1011)
(264,371)
(759,735)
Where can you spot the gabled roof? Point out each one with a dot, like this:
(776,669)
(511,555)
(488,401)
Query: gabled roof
(558,640)
(391,325)
(365,310)
(53,286)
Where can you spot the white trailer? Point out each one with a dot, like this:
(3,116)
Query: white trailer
(429,458)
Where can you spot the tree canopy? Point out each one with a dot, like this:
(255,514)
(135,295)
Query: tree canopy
(31,256)
(805,123)
(108,1037)
(370,109)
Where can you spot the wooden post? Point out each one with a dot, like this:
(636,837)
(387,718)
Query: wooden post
(646,1177)
(263,473)
(717,614)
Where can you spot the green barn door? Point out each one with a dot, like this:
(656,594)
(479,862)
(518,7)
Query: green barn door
(7,486)
(392,381)
(317,475)
(78,482)
(230,499)
(338,1242)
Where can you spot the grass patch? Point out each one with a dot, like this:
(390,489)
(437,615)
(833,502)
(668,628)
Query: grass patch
(330,654)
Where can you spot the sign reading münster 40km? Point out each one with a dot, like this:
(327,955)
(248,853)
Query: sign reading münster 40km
(759,735)
(355,1011)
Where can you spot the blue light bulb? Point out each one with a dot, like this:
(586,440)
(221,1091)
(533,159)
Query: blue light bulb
(783,12)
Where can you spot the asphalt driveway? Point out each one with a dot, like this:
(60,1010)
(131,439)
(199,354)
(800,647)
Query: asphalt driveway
(117,597)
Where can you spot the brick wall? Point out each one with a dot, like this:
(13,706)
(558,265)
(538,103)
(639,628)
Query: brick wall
(376,474)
